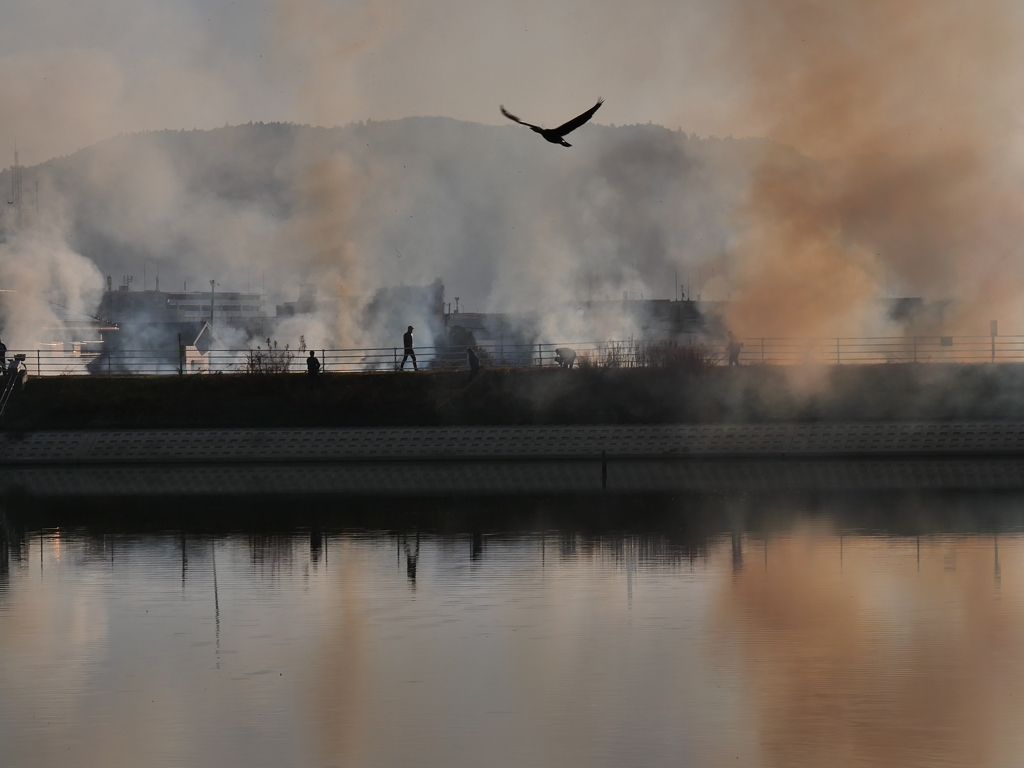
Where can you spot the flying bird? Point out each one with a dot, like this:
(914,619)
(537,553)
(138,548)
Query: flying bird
(556,135)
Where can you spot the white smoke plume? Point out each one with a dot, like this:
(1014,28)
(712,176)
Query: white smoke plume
(893,164)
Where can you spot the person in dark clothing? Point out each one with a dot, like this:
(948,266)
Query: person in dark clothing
(733,348)
(409,352)
(313,369)
(3,356)
(474,363)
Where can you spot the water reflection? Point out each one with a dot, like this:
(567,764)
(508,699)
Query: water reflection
(741,630)
(879,651)
(5,564)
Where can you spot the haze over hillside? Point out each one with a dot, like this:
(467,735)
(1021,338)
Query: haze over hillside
(905,177)
(512,224)
(507,221)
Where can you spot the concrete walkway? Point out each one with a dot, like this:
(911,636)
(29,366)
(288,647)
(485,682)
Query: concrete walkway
(510,478)
(312,446)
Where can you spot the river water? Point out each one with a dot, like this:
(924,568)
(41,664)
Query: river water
(881,629)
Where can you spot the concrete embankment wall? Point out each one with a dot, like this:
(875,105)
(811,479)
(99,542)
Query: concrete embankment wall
(509,479)
(509,460)
(502,443)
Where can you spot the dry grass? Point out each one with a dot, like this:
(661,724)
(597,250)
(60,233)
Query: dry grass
(644,354)
(668,354)
(269,360)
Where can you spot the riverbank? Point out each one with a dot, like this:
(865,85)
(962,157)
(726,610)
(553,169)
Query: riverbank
(328,445)
(257,491)
(744,395)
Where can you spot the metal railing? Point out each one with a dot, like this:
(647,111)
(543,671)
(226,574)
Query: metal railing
(881,349)
(51,361)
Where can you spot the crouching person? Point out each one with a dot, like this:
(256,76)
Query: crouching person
(565,357)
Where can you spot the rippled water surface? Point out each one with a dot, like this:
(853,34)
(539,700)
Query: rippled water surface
(875,630)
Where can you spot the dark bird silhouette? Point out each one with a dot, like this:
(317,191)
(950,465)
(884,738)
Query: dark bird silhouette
(555,135)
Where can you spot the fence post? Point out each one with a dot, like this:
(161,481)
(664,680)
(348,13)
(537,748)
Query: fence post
(396,357)
(915,349)
(993,328)
(39,363)
(838,360)
(762,350)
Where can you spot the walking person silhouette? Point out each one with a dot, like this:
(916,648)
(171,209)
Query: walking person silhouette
(409,351)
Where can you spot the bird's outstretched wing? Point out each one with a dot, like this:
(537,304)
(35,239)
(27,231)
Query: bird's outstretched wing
(512,117)
(576,122)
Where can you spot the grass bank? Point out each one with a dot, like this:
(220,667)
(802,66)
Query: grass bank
(527,396)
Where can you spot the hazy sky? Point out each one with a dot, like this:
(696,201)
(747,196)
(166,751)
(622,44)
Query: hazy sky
(870,83)
(72,73)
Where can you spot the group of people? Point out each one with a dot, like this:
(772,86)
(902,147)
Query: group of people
(313,364)
(564,356)
(410,354)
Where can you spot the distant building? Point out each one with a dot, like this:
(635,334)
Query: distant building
(73,329)
(157,322)
(232,309)
(67,329)
(306,305)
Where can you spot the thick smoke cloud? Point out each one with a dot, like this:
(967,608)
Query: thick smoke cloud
(893,166)
(911,106)
(403,203)
(38,271)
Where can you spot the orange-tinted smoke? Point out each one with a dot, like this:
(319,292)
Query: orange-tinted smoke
(317,41)
(908,110)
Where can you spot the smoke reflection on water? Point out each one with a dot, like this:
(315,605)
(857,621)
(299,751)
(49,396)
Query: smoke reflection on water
(799,638)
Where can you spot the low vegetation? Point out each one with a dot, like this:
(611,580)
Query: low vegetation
(262,361)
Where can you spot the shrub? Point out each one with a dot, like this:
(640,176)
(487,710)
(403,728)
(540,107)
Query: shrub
(669,354)
(269,360)
(648,354)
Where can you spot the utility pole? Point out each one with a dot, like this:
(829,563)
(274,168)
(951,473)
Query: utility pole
(15,200)
(213,284)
